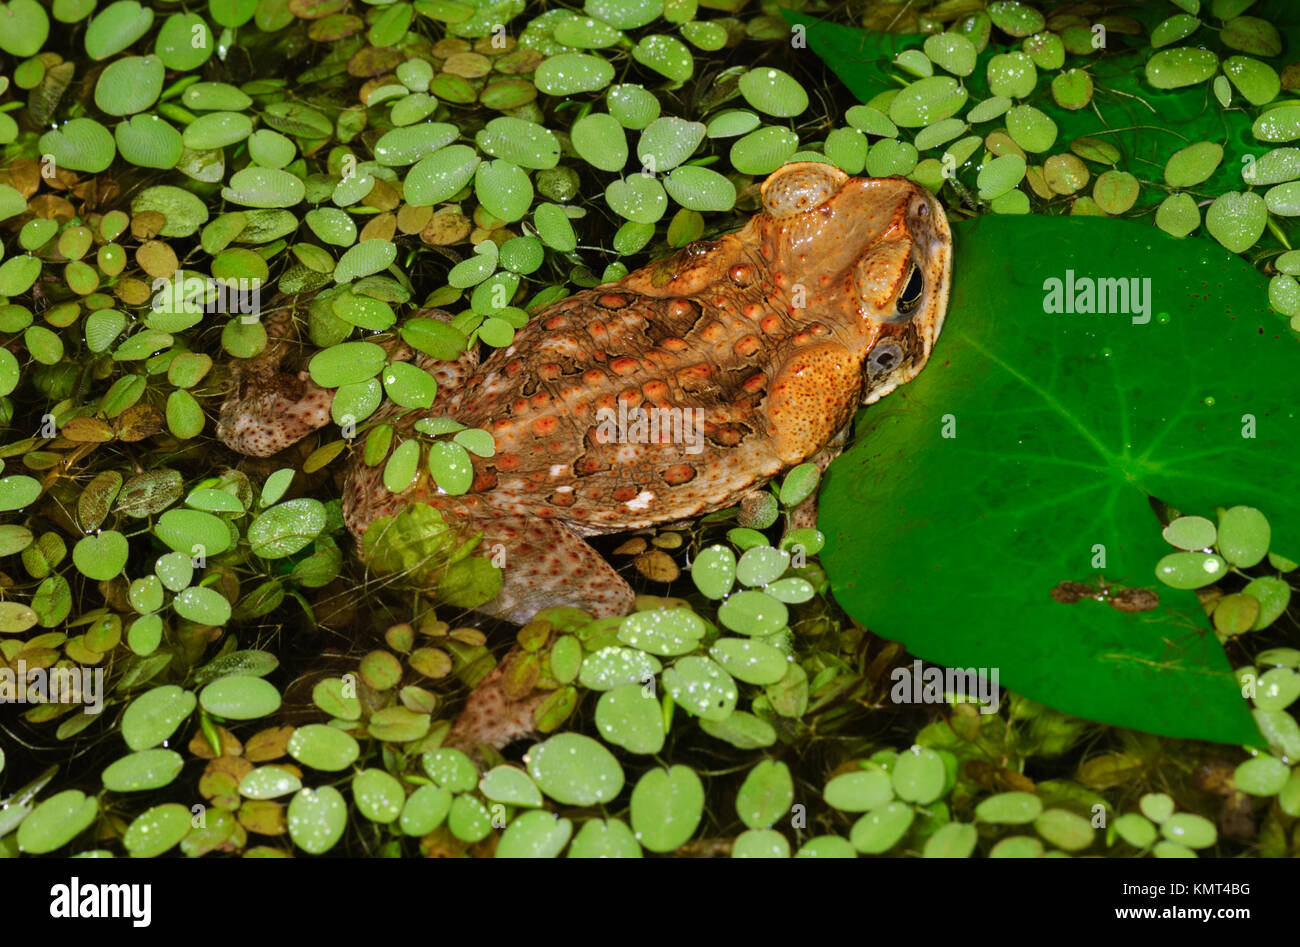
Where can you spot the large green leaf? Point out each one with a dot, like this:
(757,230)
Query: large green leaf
(1065,425)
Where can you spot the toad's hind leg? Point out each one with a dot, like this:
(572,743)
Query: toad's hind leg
(542,563)
(269,409)
(546,565)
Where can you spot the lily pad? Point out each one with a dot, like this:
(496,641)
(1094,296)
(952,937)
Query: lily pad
(666,55)
(773,92)
(324,748)
(193,532)
(882,828)
(286,528)
(700,686)
(766,794)
(378,795)
(504,189)
(638,198)
(600,140)
(137,772)
(627,717)
(535,834)
(56,822)
(951,52)
(348,363)
(526,144)
(666,807)
(184,42)
(1237,219)
(425,810)
(667,142)
(154,716)
(129,85)
(239,698)
(665,631)
(438,176)
(264,187)
(926,101)
(1182,66)
(1154,670)
(147,141)
(601,838)
(101,557)
(613,667)
(116,27)
(81,144)
(26,27)
(572,73)
(317,818)
(575,770)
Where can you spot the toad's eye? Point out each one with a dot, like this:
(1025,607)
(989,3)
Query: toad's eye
(911,294)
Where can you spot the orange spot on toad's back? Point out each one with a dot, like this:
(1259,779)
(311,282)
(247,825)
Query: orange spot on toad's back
(678,474)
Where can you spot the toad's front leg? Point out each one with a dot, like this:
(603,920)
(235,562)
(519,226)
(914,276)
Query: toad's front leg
(804,516)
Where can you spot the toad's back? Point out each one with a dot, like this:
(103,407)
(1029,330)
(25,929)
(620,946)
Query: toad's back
(690,383)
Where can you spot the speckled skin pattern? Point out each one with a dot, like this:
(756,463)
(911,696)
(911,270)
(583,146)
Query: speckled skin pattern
(829,299)
(269,410)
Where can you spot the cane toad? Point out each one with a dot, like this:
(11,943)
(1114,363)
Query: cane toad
(753,353)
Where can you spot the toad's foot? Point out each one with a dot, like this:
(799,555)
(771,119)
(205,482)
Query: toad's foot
(494,718)
(268,409)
